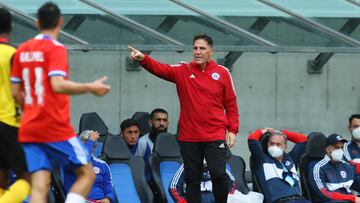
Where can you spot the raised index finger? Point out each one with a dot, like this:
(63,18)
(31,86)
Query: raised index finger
(132,49)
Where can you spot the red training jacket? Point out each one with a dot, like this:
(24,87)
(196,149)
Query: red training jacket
(207,99)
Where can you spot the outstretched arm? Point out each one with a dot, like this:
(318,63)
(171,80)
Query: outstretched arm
(164,71)
(97,87)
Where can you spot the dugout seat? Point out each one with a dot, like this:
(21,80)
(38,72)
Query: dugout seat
(143,120)
(57,193)
(164,162)
(236,165)
(315,150)
(127,172)
(92,121)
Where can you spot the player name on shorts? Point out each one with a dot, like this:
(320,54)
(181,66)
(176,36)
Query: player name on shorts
(35,56)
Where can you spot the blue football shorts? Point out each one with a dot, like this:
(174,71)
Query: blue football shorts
(41,156)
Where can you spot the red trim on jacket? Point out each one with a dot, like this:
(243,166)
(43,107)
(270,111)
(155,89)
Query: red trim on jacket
(337,195)
(255,135)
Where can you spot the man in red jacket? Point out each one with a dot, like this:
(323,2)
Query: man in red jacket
(208,110)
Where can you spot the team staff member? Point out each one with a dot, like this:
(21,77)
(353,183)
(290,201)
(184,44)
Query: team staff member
(352,148)
(102,190)
(130,132)
(11,153)
(208,110)
(275,169)
(159,122)
(332,179)
(40,68)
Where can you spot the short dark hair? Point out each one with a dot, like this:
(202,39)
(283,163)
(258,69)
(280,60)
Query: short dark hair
(48,15)
(357,116)
(5,21)
(205,37)
(127,123)
(157,110)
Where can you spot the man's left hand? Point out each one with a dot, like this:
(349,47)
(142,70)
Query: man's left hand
(105,200)
(231,139)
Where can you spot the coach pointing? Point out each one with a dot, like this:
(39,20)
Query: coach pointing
(208,111)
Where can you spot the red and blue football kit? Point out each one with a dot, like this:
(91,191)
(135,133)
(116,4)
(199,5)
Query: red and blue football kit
(45,128)
(46,116)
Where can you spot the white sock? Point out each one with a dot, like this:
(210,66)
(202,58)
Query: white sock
(74,198)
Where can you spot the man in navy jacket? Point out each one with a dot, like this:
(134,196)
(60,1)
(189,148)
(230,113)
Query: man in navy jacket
(102,190)
(275,169)
(332,179)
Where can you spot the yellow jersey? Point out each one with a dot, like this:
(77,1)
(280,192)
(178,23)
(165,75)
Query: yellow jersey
(8,109)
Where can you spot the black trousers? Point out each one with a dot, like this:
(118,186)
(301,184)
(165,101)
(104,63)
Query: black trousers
(193,154)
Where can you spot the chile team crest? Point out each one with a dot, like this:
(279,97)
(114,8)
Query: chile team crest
(215,76)
(96,170)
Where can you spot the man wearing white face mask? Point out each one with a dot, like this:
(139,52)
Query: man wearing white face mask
(352,148)
(275,169)
(332,179)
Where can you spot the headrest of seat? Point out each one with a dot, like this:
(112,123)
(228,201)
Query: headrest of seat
(315,147)
(143,120)
(92,121)
(166,145)
(264,139)
(115,148)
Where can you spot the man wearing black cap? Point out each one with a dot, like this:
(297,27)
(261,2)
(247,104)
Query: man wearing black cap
(332,179)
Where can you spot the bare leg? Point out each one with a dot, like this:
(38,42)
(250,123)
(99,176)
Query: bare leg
(85,179)
(40,184)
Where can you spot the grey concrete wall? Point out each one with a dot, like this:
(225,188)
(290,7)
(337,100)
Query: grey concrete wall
(274,90)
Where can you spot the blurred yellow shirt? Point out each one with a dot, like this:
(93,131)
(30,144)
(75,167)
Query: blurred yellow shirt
(8,109)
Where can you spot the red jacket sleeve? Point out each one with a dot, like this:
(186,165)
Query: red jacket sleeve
(255,135)
(356,165)
(164,71)
(231,107)
(294,136)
